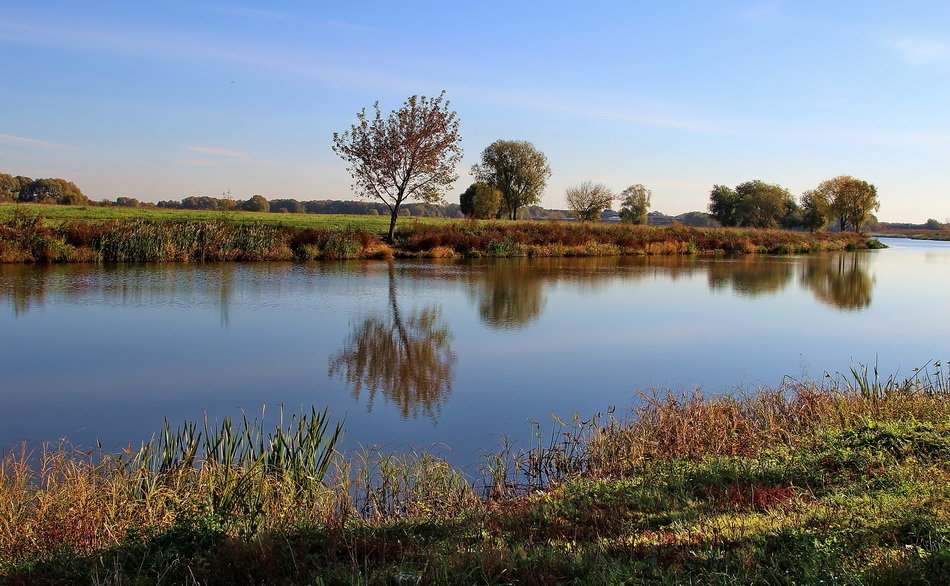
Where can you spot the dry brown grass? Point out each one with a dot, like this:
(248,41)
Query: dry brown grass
(670,427)
(499,238)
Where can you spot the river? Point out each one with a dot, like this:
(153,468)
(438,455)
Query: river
(443,354)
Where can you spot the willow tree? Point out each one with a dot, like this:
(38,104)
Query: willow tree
(635,203)
(411,153)
(517,169)
(850,200)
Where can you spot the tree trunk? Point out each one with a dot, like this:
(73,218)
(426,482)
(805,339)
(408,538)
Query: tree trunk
(392,224)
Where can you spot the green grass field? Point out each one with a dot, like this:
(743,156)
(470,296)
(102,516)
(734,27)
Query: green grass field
(372,224)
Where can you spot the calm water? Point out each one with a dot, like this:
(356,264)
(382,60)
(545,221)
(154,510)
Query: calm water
(427,352)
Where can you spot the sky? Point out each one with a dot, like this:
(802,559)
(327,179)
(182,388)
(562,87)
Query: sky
(169,99)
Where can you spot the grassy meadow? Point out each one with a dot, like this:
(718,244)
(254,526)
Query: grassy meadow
(58,214)
(37,233)
(843,481)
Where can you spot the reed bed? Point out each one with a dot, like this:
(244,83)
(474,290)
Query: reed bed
(839,480)
(27,237)
(486,238)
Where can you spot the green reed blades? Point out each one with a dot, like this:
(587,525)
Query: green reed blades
(151,241)
(239,468)
(303,448)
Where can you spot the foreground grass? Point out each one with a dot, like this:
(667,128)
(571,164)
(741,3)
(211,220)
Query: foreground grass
(844,482)
(79,234)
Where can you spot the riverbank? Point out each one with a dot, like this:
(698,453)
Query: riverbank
(937,235)
(27,235)
(840,481)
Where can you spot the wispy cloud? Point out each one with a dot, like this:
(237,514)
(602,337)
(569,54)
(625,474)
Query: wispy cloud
(603,107)
(31,142)
(760,11)
(217,151)
(221,156)
(921,50)
(333,72)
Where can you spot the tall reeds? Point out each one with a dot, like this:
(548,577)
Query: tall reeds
(507,239)
(27,238)
(240,476)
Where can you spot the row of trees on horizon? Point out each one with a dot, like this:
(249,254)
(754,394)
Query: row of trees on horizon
(751,204)
(412,153)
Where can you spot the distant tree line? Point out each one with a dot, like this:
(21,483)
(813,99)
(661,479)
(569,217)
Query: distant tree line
(930,224)
(258,203)
(51,191)
(843,202)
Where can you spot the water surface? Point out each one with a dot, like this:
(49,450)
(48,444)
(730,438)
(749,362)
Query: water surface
(442,352)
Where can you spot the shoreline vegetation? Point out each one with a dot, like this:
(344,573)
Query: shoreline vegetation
(45,234)
(839,481)
(942,235)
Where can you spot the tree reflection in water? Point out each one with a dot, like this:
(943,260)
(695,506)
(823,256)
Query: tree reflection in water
(837,279)
(750,275)
(407,358)
(511,293)
(840,280)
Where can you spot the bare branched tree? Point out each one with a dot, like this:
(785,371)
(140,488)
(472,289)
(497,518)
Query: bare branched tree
(586,200)
(411,153)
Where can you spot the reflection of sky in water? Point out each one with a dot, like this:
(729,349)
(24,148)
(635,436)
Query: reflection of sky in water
(108,352)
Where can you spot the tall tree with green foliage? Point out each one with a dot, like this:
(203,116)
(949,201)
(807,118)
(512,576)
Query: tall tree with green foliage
(256,203)
(9,187)
(517,169)
(754,204)
(723,205)
(851,200)
(480,200)
(586,200)
(411,153)
(763,205)
(815,209)
(634,204)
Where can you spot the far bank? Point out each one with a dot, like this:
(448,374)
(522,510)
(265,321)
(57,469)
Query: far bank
(35,233)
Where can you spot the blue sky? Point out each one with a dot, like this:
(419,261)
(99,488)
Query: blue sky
(164,100)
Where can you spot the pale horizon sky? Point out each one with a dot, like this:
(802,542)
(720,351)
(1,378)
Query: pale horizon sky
(172,99)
